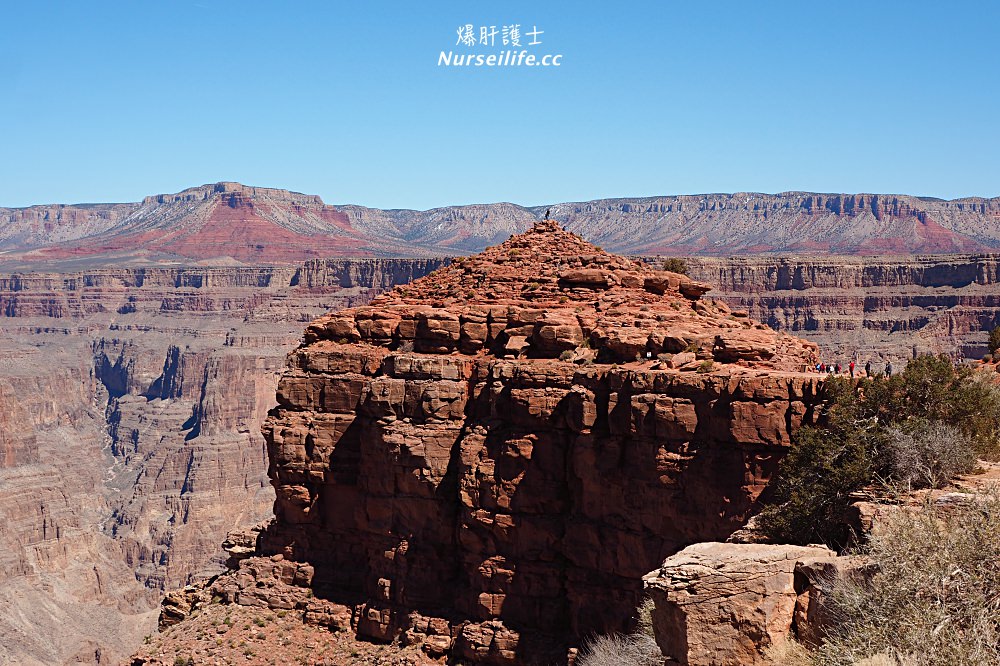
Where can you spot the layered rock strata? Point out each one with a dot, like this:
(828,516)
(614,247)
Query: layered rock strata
(131,401)
(266,225)
(512,442)
(866,308)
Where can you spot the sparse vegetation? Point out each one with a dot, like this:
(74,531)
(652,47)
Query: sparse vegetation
(916,429)
(705,366)
(566,355)
(928,454)
(636,649)
(934,594)
(675,265)
(619,650)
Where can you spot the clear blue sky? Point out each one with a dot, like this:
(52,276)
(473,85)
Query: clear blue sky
(111,101)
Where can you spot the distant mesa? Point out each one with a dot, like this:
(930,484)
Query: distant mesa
(259,225)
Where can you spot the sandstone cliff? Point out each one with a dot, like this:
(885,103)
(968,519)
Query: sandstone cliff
(488,460)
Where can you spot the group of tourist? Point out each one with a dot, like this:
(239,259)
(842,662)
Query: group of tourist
(837,369)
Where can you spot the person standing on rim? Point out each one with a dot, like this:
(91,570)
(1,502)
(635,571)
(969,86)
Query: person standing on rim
(888,369)
(850,367)
(868,369)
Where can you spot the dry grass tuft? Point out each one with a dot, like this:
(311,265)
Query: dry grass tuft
(636,649)
(934,598)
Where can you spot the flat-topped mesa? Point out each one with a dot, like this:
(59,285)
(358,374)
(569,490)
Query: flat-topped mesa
(547,293)
(488,460)
(233,191)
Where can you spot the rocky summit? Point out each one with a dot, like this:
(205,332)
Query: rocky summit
(484,463)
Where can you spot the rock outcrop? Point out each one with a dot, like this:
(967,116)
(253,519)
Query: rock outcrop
(511,443)
(724,604)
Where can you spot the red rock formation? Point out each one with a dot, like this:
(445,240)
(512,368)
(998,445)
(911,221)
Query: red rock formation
(512,442)
(252,225)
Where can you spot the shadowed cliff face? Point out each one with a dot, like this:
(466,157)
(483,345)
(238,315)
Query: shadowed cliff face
(491,445)
(130,410)
(878,308)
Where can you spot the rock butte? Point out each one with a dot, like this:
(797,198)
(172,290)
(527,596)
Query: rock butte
(487,462)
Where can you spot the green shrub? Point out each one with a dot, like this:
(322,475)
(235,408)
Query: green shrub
(566,356)
(675,265)
(994,341)
(705,367)
(814,486)
(919,428)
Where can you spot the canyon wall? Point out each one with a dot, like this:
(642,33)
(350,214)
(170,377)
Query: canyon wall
(130,409)
(866,308)
(150,384)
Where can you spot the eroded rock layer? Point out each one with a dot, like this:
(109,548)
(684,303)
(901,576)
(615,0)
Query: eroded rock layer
(131,401)
(512,442)
(866,308)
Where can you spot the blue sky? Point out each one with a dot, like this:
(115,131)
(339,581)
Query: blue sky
(111,101)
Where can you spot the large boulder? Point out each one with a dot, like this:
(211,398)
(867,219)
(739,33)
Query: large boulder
(725,604)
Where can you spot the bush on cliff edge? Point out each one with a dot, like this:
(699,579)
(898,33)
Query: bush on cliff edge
(934,596)
(916,429)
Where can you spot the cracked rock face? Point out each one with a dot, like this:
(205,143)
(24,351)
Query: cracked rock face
(724,603)
(510,443)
